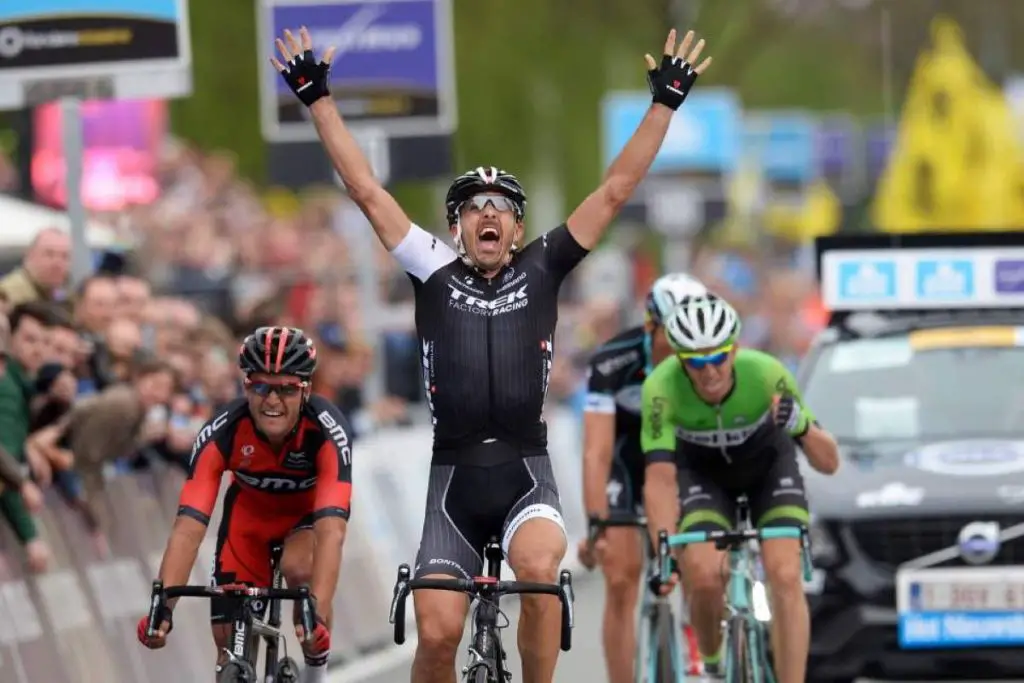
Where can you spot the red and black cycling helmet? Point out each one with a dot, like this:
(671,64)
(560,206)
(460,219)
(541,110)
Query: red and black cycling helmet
(278,351)
(484,179)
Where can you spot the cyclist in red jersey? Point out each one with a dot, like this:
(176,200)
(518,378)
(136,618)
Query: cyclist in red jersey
(291,462)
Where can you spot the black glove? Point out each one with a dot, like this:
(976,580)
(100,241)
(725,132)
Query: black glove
(309,80)
(670,83)
(790,416)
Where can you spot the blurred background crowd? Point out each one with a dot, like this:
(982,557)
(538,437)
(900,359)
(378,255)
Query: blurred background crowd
(111,373)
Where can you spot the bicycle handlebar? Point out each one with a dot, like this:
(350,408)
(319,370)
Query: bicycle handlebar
(727,540)
(482,586)
(160,595)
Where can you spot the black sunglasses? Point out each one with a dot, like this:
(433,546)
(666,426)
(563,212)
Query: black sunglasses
(283,389)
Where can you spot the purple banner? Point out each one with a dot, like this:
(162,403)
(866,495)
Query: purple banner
(391,63)
(1009,276)
(880,140)
(837,141)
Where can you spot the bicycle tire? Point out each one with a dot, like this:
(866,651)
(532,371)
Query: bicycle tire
(485,641)
(234,672)
(739,669)
(481,675)
(664,668)
(287,671)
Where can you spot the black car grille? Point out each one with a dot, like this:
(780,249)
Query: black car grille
(895,541)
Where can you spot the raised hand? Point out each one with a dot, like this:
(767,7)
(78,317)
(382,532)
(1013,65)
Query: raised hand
(670,82)
(309,79)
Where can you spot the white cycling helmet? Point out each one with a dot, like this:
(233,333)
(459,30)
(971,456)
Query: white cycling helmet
(702,322)
(666,293)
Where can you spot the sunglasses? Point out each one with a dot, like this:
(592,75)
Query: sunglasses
(479,202)
(283,389)
(698,361)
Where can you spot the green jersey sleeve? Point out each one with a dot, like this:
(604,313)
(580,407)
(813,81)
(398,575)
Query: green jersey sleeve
(657,432)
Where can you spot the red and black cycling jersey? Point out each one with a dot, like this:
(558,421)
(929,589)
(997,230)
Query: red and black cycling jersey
(311,474)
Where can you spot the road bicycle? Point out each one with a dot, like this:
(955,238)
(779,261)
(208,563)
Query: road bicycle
(666,650)
(746,638)
(487,657)
(249,627)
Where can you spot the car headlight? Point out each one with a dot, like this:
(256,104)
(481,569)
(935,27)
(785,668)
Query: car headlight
(825,550)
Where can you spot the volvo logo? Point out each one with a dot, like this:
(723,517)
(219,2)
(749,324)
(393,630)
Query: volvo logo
(979,542)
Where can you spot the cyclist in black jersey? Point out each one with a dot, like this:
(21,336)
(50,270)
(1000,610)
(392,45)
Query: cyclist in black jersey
(485,314)
(613,463)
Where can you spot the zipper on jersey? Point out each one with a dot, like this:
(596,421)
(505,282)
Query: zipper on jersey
(490,366)
(721,433)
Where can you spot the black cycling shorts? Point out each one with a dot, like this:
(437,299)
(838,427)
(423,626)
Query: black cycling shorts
(774,490)
(468,505)
(625,489)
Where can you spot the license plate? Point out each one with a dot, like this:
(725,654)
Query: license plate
(960,607)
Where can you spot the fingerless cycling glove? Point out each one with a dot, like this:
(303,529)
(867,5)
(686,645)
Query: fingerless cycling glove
(309,79)
(670,83)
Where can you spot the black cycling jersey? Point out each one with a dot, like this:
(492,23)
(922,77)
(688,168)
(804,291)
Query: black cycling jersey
(487,345)
(615,375)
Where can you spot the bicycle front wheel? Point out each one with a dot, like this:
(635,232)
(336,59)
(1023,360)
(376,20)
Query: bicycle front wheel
(664,666)
(235,672)
(481,674)
(738,667)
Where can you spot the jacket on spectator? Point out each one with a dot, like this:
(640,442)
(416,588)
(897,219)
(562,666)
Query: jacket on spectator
(10,472)
(19,288)
(16,391)
(101,428)
(15,418)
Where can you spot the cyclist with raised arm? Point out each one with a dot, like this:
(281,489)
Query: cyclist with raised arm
(290,458)
(720,422)
(485,314)
(613,462)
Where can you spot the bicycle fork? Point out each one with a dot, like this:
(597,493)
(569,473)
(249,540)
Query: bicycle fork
(649,631)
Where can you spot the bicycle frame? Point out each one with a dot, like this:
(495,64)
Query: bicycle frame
(739,590)
(650,606)
(247,627)
(739,602)
(486,649)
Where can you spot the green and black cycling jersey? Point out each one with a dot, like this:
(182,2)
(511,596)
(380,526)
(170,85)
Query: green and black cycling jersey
(675,418)
(727,450)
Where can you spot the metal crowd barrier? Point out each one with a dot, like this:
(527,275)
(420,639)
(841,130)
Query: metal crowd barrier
(76,623)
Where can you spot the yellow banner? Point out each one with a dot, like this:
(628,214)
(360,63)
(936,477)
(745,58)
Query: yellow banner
(963,337)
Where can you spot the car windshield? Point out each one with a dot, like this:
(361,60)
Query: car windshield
(886,389)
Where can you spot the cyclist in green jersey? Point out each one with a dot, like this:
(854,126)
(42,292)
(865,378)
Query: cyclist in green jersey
(722,421)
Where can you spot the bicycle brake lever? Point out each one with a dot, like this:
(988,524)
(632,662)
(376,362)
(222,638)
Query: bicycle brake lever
(568,595)
(400,591)
(156,602)
(307,616)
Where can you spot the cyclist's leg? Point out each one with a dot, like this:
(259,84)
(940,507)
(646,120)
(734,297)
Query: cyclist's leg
(705,506)
(779,500)
(242,556)
(534,542)
(622,564)
(450,547)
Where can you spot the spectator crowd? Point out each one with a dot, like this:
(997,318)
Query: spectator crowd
(122,369)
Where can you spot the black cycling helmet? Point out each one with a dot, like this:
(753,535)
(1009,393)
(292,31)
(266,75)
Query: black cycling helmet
(278,351)
(484,179)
